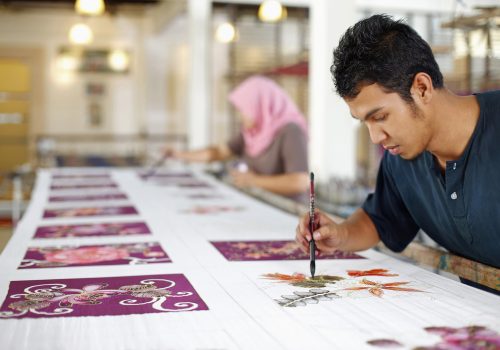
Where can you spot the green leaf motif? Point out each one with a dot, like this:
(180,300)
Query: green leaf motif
(301,298)
(319,281)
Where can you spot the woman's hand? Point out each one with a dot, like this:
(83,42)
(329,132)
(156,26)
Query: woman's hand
(243,179)
(328,235)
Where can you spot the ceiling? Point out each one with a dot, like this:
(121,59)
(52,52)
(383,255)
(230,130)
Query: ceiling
(112,6)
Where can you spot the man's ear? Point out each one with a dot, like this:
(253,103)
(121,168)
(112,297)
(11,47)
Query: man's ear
(422,89)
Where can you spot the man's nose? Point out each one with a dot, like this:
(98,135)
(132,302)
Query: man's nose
(377,135)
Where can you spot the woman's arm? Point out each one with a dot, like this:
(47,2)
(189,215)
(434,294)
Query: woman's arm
(284,184)
(206,155)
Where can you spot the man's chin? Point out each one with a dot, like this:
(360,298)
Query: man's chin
(409,156)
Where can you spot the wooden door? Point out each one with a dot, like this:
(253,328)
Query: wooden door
(15,90)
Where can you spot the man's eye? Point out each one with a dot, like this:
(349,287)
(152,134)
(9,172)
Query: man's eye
(379,118)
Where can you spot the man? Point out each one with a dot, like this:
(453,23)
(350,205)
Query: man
(441,169)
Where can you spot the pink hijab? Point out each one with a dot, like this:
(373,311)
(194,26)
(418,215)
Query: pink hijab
(269,106)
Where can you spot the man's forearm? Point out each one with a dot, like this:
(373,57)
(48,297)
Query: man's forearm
(360,232)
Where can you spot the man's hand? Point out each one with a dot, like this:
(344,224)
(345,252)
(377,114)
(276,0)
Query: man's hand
(329,236)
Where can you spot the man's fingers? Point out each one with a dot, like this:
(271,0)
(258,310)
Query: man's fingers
(326,237)
(304,227)
(301,242)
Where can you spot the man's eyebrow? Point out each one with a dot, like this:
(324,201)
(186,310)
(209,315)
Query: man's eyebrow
(368,115)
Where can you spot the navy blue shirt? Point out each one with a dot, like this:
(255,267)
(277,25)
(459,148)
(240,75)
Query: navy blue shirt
(460,210)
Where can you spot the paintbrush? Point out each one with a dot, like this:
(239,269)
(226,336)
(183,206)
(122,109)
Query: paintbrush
(156,165)
(312,244)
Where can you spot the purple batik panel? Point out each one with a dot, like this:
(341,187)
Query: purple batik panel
(90,255)
(89,211)
(271,250)
(182,183)
(101,296)
(70,186)
(156,175)
(89,230)
(194,184)
(205,196)
(88,197)
(212,209)
(82,176)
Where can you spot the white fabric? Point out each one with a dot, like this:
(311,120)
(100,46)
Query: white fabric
(242,313)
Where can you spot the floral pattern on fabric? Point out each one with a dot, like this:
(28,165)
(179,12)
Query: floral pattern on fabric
(89,211)
(271,250)
(69,186)
(110,254)
(377,288)
(91,230)
(464,338)
(101,296)
(89,197)
(212,209)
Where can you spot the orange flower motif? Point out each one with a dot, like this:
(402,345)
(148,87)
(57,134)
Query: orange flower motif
(295,278)
(373,272)
(377,289)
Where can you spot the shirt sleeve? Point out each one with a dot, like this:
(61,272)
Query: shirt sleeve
(395,225)
(294,150)
(237,144)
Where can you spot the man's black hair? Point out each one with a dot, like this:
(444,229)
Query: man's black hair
(381,50)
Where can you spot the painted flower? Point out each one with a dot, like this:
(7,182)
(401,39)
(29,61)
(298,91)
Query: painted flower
(289,248)
(43,296)
(91,294)
(472,337)
(145,291)
(153,254)
(373,272)
(28,305)
(77,212)
(90,229)
(35,301)
(109,211)
(256,255)
(87,255)
(212,209)
(377,289)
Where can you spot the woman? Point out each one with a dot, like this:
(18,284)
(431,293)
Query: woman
(272,142)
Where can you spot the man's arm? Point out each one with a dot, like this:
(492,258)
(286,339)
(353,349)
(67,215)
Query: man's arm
(356,233)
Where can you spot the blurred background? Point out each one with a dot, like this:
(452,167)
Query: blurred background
(112,83)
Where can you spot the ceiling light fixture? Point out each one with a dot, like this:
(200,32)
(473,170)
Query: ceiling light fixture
(67,62)
(271,11)
(90,7)
(118,60)
(81,34)
(225,32)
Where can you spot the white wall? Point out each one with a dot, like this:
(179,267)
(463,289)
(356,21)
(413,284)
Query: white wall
(166,75)
(66,100)
(332,140)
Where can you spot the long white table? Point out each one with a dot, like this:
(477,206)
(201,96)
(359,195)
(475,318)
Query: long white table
(242,305)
